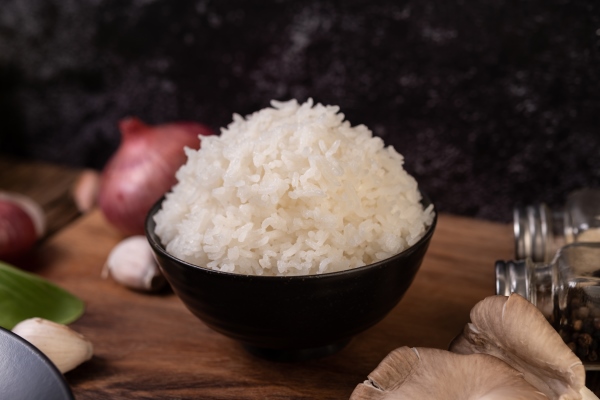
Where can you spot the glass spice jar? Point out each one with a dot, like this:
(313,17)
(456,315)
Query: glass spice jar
(539,231)
(566,290)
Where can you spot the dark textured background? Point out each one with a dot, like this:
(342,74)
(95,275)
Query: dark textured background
(491,102)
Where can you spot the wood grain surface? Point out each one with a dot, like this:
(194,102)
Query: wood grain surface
(148,346)
(151,347)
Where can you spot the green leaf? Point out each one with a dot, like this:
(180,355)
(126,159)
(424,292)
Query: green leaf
(24,295)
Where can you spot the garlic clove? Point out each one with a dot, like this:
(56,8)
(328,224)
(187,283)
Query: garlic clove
(63,346)
(132,264)
(85,190)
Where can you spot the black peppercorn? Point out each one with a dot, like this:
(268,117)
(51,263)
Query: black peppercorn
(582,352)
(584,340)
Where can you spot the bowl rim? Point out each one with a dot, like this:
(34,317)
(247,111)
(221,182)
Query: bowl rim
(156,245)
(27,358)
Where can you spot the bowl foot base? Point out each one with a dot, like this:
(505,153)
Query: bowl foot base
(296,354)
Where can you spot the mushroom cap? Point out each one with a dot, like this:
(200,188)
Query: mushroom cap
(424,373)
(514,330)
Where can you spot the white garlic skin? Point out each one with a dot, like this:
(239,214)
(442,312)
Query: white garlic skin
(132,264)
(66,348)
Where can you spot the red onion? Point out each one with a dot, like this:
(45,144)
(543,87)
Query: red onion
(143,169)
(22,223)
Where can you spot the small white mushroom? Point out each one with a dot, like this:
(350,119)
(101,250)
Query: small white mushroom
(63,346)
(515,331)
(422,373)
(132,264)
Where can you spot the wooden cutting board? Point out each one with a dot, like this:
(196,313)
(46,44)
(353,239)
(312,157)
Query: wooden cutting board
(150,347)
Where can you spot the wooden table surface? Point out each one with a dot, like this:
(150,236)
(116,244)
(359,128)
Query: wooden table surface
(148,346)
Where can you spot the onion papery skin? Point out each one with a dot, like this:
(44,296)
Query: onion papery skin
(143,169)
(18,231)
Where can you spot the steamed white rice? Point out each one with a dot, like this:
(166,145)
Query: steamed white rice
(291,190)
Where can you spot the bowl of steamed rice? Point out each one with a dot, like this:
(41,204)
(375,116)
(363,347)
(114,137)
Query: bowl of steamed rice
(292,231)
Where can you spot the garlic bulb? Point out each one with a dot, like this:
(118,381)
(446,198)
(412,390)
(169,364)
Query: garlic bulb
(132,264)
(62,345)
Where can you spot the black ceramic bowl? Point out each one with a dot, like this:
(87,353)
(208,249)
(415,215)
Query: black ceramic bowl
(295,317)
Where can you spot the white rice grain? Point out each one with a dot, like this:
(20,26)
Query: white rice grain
(291,190)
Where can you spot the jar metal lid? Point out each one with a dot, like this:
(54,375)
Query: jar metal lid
(532,227)
(511,277)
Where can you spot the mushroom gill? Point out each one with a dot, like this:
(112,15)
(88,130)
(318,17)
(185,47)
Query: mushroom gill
(515,331)
(423,373)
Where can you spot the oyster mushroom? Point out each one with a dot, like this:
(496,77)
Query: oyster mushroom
(422,373)
(515,331)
